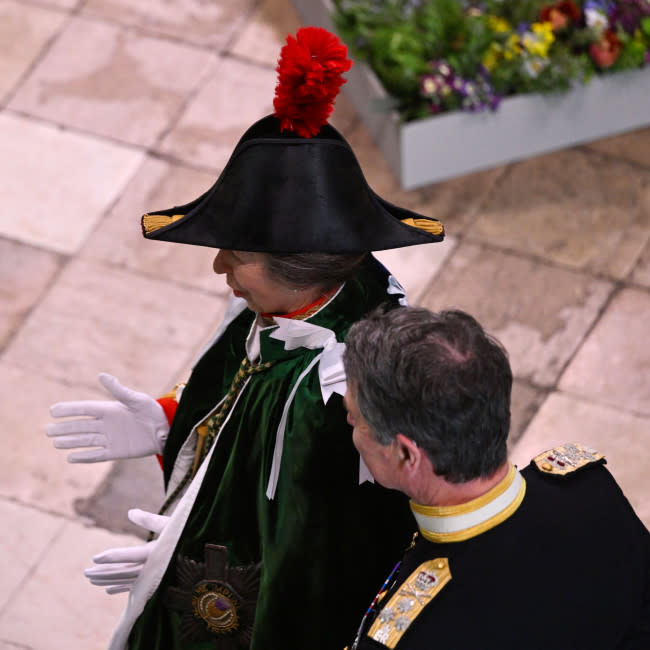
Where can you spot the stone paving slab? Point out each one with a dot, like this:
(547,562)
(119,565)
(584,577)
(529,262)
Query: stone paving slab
(126,86)
(57,608)
(211,24)
(63,4)
(539,312)
(117,239)
(613,365)
(571,209)
(344,118)
(99,318)
(623,438)
(458,202)
(20,547)
(20,292)
(131,483)
(524,404)
(236,95)
(641,273)
(32,471)
(265,32)
(414,266)
(39,204)
(633,146)
(36,26)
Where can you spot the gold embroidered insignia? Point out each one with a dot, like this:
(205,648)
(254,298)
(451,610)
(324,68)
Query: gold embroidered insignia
(408,602)
(566,459)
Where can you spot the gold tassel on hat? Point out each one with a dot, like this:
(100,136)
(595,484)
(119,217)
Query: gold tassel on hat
(151,222)
(428,225)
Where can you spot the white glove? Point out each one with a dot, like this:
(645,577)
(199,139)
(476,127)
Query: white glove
(131,427)
(118,568)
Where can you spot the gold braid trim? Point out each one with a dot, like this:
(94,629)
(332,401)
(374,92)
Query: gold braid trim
(428,225)
(151,222)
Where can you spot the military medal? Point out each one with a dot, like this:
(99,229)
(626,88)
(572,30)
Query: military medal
(216,602)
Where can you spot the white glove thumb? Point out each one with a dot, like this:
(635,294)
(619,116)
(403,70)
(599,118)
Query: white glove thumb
(148,520)
(118,568)
(132,426)
(130,398)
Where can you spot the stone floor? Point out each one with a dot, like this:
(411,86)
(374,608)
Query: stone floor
(109,108)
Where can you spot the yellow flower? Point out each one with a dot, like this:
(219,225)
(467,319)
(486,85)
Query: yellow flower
(497,24)
(539,40)
(545,30)
(513,47)
(492,56)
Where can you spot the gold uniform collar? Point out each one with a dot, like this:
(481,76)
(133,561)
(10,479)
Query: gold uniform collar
(461,522)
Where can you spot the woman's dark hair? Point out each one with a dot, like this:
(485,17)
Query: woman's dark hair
(303,270)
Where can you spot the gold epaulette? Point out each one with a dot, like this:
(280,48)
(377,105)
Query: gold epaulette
(408,602)
(566,459)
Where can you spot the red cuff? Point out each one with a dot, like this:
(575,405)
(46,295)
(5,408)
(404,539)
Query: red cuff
(169,406)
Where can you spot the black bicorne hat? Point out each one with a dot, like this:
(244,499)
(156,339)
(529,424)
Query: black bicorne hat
(285,193)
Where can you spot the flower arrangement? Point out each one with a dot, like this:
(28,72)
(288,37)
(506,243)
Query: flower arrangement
(434,56)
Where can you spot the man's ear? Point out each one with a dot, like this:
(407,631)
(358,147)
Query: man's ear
(410,455)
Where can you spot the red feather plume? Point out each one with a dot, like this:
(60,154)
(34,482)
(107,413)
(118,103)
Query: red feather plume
(310,71)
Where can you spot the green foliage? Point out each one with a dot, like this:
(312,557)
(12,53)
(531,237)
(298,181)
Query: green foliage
(645,26)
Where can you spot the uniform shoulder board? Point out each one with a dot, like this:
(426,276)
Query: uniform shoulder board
(408,602)
(566,459)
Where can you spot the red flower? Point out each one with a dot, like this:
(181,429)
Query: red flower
(606,51)
(310,71)
(560,15)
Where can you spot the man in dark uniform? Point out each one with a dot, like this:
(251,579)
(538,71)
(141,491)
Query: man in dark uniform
(551,557)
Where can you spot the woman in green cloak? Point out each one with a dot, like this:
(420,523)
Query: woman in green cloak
(273,534)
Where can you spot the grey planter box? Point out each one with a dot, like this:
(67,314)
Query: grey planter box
(452,144)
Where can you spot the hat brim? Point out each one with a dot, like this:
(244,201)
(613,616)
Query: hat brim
(285,194)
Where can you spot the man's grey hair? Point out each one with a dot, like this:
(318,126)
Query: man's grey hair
(437,378)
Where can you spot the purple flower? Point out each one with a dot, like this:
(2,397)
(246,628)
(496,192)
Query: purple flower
(627,14)
(458,85)
(494,101)
(442,68)
(429,85)
(599,5)
(443,84)
(483,73)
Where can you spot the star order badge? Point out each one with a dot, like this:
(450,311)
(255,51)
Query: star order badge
(217,602)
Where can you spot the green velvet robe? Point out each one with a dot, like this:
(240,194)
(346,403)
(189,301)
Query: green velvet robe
(325,541)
